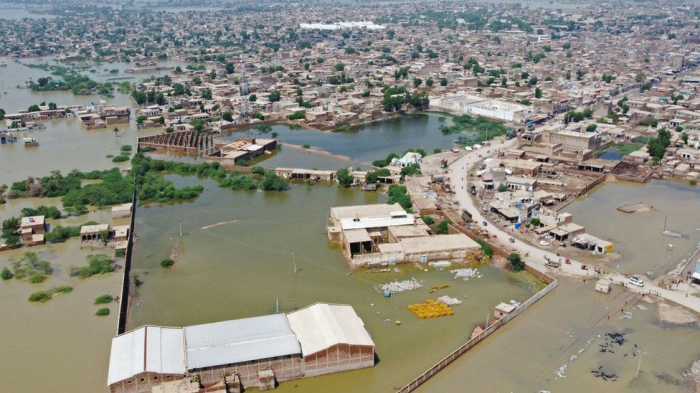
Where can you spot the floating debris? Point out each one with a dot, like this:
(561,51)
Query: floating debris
(641,307)
(466,273)
(430,309)
(626,315)
(450,301)
(440,264)
(400,286)
(438,287)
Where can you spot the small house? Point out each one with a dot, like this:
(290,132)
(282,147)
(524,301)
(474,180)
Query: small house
(603,286)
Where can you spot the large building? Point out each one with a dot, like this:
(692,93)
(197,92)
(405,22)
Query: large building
(382,234)
(316,340)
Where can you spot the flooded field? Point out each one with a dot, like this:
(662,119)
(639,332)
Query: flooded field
(638,236)
(525,355)
(240,269)
(55,339)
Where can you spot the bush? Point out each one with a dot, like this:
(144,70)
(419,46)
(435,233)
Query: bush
(98,264)
(6,274)
(125,148)
(41,297)
(48,211)
(120,158)
(103,312)
(397,194)
(120,253)
(166,263)
(344,177)
(36,277)
(486,248)
(413,169)
(516,262)
(693,182)
(104,299)
(64,289)
(442,227)
(427,220)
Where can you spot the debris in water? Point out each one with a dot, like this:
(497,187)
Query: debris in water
(641,307)
(400,286)
(450,301)
(466,273)
(626,315)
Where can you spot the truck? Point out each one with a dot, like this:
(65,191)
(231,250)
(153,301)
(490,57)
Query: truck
(552,264)
(443,163)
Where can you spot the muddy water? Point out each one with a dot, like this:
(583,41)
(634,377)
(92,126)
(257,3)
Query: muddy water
(59,345)
(240,269)
(638,236)
(524,355)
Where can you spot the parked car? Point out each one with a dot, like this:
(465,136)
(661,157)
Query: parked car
(544,243)
(636,281)
(484,223)
(511,240)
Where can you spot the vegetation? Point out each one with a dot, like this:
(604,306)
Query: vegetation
(103,312)
(120,158)
(411,170)
(427,220)
(486,248)
(6,274)
(9,231)
(478,129)
(64,289)
(166,263)
(104,299)
(658,145)
(516,263)
(70,80)
(32,267)
(48,211)
(398,194)
(441,228)
(344,177)
(97,264)
(60,234)
(40,296)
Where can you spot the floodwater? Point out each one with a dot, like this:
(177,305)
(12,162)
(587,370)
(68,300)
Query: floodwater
(54,339)
(241,268)
(525,354)
(638,236)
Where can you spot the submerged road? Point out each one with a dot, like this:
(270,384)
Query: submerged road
(458,173)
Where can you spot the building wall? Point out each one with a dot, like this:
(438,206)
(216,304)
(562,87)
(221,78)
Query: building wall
(285,368)
(341,357)
(143,382)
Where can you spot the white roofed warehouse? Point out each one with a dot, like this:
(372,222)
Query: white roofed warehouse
(146,357)
(255,352)
(333,339)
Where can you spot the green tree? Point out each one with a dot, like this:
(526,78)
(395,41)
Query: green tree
(443,81)
(33,108)
(228,116)
(344,177)
(516,262)
(538,92)
(274,96)
(417,82)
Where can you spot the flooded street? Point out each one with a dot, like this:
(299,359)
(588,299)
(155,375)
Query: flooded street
(525,354)
(638,236)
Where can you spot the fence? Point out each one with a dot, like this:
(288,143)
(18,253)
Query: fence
(447,360)
(124,297)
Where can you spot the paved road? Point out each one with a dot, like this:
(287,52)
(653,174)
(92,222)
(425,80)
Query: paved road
(458,172)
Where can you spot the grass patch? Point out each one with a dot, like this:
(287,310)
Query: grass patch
(103,312)
(64,289)
(31,267)
(40,297)
(121,158)
(104,299)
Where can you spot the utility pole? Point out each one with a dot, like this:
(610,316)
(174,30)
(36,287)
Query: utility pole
(639,365)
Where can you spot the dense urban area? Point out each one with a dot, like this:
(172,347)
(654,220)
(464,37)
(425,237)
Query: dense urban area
(201,196)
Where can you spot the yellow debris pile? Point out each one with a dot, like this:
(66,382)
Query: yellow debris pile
(477,256)
(430,309)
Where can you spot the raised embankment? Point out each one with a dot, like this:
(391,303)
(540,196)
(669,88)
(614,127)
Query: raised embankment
(124,297)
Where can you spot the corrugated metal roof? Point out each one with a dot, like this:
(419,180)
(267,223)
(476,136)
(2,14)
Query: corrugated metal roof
(239,340)
(323,325)
(148,348)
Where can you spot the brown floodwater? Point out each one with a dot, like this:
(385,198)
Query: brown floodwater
(567,328)
(241,269)
(638,236)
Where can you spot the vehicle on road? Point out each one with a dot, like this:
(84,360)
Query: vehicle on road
(544,243)
(485,223)
(511,240)
(636,281)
